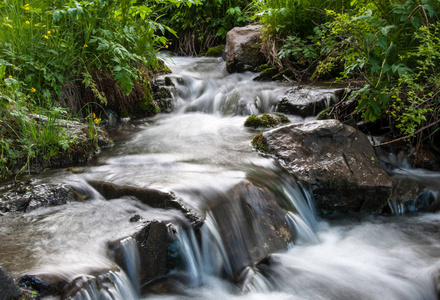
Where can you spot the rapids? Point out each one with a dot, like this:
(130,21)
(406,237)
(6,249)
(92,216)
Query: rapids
(202,154)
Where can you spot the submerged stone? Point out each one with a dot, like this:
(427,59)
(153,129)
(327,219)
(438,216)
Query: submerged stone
(337,160)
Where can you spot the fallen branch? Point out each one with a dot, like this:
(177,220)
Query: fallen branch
(407,136)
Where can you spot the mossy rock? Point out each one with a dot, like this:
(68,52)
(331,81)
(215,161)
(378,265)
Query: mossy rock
(145,107)
(260,143)
(215,51)
(266,120)
(266,74)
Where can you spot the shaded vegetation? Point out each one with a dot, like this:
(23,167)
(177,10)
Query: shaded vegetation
(72,60)
(390,48)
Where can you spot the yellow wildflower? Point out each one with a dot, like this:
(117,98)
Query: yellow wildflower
(97,120)
(94,116)
(10,76)
(27,8)
(10,26)
(27,22)
(48,32)
(36,25)
(27,4)
(53,30)
(44,26)
(85,46)
(166,46)
(46,37)
(33,90)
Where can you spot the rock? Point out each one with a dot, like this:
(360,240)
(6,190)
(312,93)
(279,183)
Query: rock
(242,51)
(41,285)
(251,223)
(80,132)
(308,102)
(336,159)
(161,93)
(266,120)
(151,197)
(8,288)
(216,51)
(152,242)
(26,196)
(423,156)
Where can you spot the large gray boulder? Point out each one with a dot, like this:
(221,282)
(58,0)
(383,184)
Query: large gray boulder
(336,159)
(307,102)
(242,51)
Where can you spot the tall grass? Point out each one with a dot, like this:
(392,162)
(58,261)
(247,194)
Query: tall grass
(46,44)
(282,18)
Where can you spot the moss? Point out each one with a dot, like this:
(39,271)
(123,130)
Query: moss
(253,121)
(265,120)
(283,118)
(215,51)
(267,74)
(260,143)
(146,106)
(323,115)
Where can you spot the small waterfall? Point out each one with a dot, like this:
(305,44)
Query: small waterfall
(205,89)
(189,252)
(111,286)
(215,258)
(132,261)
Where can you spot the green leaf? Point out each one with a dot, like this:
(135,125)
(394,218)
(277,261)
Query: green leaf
(58,15)
(375,106)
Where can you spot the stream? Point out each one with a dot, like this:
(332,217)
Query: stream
(261,237)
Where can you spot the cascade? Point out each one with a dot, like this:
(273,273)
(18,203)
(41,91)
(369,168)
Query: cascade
(184,207)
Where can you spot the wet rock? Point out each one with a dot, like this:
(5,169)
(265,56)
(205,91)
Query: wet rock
(337,160)
(80,133)
(161,93)
(152,242)
(135,218)
(266,120)
(423,156)
(216,51)
(97,285)
(26,196)
(151,197)
(307,102)
(8,288)
(415,192)
(42,286)
(242,51)
(252,224)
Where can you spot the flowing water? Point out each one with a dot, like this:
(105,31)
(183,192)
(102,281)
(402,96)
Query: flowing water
(202,154)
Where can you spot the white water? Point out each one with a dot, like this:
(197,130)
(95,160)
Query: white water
(201,152)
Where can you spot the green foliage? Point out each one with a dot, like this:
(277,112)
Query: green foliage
(394,48)
(45,44)
(26,136)
(205,24)
(284,18)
